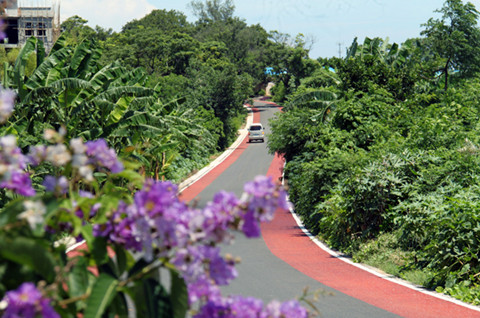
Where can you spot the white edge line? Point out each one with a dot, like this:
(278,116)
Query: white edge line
(388,277)
(74,246)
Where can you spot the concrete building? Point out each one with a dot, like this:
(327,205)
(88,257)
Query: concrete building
(26,18)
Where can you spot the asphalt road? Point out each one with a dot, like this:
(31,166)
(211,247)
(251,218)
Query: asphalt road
(261,274)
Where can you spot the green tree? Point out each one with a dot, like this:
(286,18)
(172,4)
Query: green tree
(221,90)
(376,62)
(160,42)
(76,29)
(166,21)
(214,10)
(455,37)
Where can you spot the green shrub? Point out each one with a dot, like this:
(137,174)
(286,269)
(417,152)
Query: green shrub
(279,92)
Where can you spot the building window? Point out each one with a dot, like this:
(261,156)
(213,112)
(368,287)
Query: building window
(28,25)
(41,32)
(41,25)
(28,32)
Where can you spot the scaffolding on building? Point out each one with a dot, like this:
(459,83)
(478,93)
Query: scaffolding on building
(27,18)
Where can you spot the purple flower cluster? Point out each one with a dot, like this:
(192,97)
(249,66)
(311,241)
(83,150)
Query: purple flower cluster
(27,302)
(248,307)
(263,198)
(85,157)
(58,186)
(7,101)
(101,156)
(12,168)
(160,225)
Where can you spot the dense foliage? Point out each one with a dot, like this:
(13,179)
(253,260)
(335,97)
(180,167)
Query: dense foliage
(89,133)
(383,145)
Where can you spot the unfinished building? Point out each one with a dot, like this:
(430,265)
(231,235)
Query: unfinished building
(27,18)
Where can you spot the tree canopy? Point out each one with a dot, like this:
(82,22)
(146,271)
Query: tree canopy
(455,37)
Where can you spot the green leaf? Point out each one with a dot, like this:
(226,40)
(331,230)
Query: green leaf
(137,267)
(121,106)
(178,295)
(99,250)
(30,253)
(10,212)
(121,258)
(78,278)
(152,300)
(20,64)
(103,292)
(81,51)
(132,176)
(87,233)
(43,73)
(120,306)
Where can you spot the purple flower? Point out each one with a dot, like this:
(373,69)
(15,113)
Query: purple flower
(219,309)
(3,35)
(85,194)
(293,308)
(218,216)
(246,307)
(249,307)
(57,185)
(37,154)
(261,198)
(261,186)
(222,271)
(102,156)
(251,226)
(123,232)
(7,98)
(94,209)
(202,288)
(27,302)
(120,228)
(102,230)
(19,182)
(158,224)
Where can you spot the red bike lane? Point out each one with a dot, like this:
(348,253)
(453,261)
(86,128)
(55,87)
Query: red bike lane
(286,240)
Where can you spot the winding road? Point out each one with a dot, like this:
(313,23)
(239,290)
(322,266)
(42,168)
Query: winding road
(286,260)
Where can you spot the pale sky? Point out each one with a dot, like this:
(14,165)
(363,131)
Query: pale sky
(332,24)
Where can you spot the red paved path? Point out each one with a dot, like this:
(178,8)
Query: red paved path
(288,242)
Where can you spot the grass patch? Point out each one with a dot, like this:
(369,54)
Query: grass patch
(385,254)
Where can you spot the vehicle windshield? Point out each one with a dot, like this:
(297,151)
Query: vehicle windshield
(255,127)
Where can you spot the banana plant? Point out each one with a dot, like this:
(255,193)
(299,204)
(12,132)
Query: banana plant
(321,102)
(159,135)
(392,55)
(70,88)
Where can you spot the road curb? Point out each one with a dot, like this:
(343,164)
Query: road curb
(378,273)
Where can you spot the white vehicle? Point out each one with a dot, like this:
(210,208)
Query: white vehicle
(256,132)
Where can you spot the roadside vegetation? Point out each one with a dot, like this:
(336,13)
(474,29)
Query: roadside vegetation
(383,152)
(163,91)
(382,147)
(94,135)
